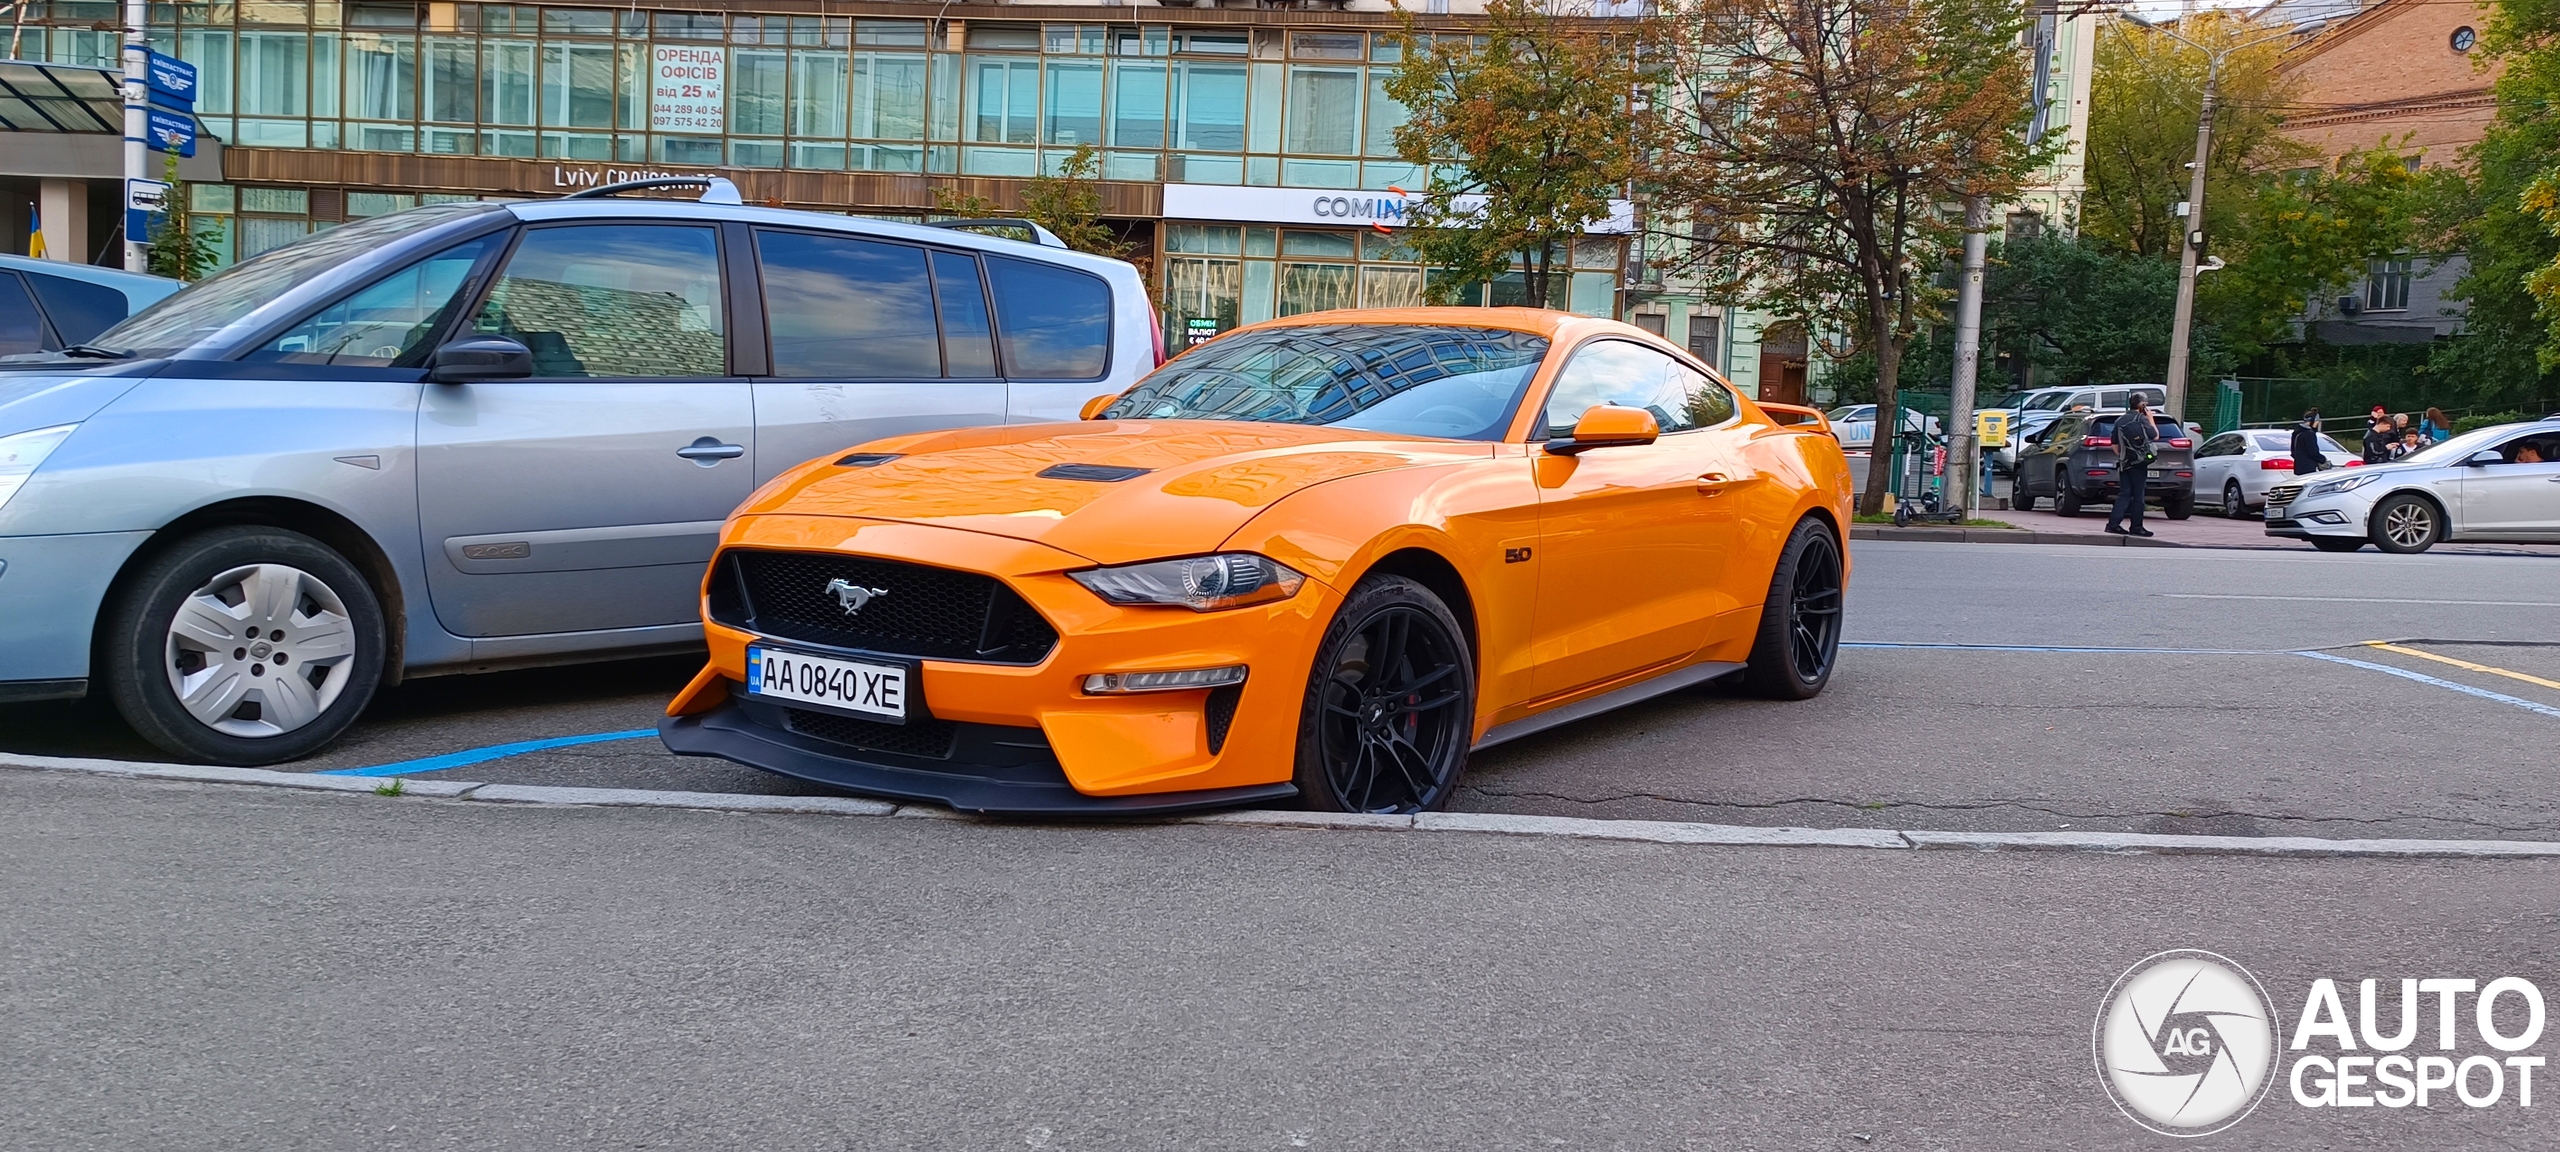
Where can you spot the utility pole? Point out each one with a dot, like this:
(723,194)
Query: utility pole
(2191,249)
(1964,450)
(137,256)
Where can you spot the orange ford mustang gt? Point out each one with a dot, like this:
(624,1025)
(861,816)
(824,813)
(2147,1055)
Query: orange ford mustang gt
(1323,557)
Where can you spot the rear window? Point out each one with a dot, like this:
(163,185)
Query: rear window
(21,331)
(79,309)
(2106,426)
(1053,323)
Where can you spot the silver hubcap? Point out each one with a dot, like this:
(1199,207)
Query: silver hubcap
(2231,504)
(260,650)
(2408,525)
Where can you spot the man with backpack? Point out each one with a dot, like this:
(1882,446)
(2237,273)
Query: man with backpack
(2134,438)
(2307,455)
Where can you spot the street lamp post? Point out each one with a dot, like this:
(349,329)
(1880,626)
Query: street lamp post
(2191,246)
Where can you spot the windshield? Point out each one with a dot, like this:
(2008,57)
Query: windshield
(1852,412)
(1416,379)
(205,307)
(2046,402)
(2459,448)
(2010,400)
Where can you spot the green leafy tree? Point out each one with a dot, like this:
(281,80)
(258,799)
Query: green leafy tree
(1825,140)
(1067,202)
(2500,355)
(2144,98)
(179,249)
(1525,131)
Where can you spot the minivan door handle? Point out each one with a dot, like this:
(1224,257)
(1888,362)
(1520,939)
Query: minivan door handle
(708,451)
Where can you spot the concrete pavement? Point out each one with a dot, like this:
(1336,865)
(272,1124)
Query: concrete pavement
(205,967)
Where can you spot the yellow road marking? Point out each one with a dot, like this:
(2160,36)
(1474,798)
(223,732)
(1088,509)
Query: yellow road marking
(2388,646)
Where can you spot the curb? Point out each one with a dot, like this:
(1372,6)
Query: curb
(2022,536)
(1480,823)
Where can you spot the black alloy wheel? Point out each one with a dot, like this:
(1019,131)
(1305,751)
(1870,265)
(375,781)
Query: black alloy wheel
(1799,638)
(1390,709)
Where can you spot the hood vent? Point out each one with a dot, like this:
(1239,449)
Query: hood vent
(866,459)
(1094,473)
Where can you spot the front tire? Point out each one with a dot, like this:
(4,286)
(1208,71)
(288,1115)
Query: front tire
(1799,638)
(1389,714)
(2405,524)
(2180,506)
(244,646)
(2019,497)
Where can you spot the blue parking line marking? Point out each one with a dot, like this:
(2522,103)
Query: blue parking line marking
(479,755)
(2067,648)
(2423,678)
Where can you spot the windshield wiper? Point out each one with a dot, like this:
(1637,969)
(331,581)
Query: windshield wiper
(94,352)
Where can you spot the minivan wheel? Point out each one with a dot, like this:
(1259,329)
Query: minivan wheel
(243,646)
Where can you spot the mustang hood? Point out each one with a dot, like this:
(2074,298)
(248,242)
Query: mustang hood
(1110,491)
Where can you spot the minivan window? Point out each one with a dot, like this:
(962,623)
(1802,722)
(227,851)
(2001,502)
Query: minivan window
(386,325)
(968,335)
(201,309)
(1054,323)
(613,300)
(843,308)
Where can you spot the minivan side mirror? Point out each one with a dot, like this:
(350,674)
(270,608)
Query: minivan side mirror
(480,358)
(2484,459)
(1092,409)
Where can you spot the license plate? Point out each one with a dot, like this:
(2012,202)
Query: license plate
(2160,473)
(874,690)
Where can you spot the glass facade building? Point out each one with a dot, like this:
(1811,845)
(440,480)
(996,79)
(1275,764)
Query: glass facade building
(340,109)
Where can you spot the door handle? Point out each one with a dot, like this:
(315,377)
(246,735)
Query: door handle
(1715,483)
(708,451)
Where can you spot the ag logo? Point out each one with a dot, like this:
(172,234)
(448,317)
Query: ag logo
(2184,1043)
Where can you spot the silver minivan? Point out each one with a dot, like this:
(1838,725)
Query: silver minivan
(476,436)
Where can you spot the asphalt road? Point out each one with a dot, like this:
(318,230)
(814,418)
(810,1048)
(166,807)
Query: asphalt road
(2229,730)
(211,967)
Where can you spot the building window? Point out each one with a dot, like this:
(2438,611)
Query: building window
(2386,287)
(1704,342)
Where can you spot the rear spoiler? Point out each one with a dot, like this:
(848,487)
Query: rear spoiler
(1797,416)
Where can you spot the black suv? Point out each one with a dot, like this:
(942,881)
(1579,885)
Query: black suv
(2074,461)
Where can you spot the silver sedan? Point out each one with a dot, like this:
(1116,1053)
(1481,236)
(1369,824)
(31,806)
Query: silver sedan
(2493,484)
(2235,470)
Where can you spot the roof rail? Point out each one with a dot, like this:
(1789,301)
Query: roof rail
(715,189)
(1039,235)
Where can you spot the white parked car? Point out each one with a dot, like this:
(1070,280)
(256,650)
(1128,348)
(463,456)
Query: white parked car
(2492,484)
(1855,425)
(2235,470)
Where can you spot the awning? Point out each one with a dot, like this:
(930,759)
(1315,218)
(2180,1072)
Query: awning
(67,120)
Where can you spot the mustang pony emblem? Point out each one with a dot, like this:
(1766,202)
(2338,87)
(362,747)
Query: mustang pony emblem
(853,596)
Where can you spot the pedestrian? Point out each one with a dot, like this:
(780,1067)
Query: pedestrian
(2134,437)
(2411,443)
(2377,436)
(2307,456)
(2437,428)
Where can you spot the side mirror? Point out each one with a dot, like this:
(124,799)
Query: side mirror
(480,358)
(1607,426)
(2484,459)
(1092,409)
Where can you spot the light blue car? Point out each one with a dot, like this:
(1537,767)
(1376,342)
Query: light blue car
(479,436)
(49,305)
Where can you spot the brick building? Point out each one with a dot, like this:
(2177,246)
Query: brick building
(2402,75)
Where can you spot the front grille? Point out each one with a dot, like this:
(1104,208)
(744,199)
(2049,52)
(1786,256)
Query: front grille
(917,737)
(903,609)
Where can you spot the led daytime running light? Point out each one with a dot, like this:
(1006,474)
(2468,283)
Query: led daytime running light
(1117,683)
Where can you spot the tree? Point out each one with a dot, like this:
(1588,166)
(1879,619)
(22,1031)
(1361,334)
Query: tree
(1821,140)
(2498,221)
(2144,99)
(179,249)
(1524,129)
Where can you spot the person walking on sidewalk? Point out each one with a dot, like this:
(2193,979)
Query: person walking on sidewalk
(2134,436)
(2307,456)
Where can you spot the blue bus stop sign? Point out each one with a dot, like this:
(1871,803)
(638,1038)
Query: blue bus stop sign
(169,131)
(172,81)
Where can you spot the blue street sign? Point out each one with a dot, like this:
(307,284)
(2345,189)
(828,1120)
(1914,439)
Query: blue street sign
(169,132)
(144,201)
(172,81)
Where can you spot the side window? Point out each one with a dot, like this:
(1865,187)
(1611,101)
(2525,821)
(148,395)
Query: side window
(1054,323)
(613,300)
(2112,398)
(79,309)
(386,325)
(968,333)
(2227,444)
(1628,374)
(21,328)
(846,308)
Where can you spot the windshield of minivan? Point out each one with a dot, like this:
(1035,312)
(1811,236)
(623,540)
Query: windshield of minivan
(1417,379)
(2045,403)
(205,307)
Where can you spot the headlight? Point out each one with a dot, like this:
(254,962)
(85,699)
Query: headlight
(2342,484)
(22,453)
(1200,583)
